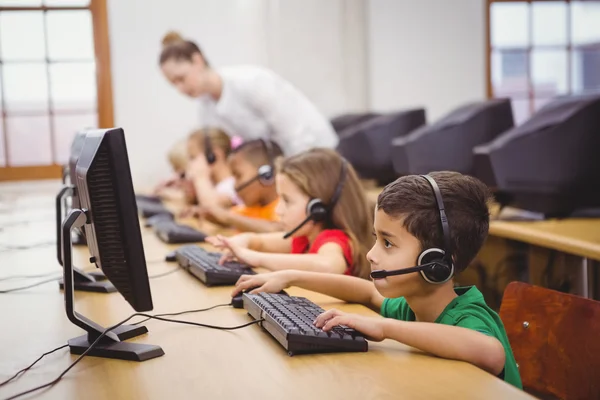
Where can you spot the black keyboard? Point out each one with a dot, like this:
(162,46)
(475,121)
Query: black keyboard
(205,266)
(170,231)
(148,209)
(290,321)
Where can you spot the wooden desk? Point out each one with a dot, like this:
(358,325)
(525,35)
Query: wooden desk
(199,362)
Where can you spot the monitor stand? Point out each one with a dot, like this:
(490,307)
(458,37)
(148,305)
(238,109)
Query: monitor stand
(83,281)
(112,344)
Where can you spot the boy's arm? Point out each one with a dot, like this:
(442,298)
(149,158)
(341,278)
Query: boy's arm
(446,341)
(348,288)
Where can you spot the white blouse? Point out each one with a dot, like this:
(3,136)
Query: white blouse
(257,103)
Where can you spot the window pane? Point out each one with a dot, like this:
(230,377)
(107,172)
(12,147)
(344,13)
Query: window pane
(20,3)
(549,23)
(509,24)
(521,110)
(549,72)
(70,35)
(22,35)
(73,86)
(29,140)
(25,87)
(585,22)
(585,70)
(65,127)
(509,72)
(65,3)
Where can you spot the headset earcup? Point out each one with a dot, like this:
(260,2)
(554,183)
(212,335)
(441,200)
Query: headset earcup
(210,158)
(316,210)
(266,175)
(439,273)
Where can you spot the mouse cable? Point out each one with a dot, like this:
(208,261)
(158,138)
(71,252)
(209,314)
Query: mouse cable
(184,312)
(8,247)
(30,286)
(165,273)
(31,365)
(95,342)
(135,323)
(13,277)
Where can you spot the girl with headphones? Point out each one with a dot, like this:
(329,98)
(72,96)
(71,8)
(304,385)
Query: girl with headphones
(324,211)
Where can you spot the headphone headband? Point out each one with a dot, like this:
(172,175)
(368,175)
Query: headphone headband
(443,219)
(340,185)
(268,146)
(208,150)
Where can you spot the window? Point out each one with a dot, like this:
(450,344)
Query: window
(54,81)
(542,49)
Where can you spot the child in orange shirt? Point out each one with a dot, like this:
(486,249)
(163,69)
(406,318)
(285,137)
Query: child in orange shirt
(324,209)
(252,167)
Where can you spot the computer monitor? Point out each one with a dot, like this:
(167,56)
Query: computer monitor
(550,163)
(367,146)
(345,121)
(447,145)
(108,214)
(66,200)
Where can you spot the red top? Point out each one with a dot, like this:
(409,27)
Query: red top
(300,245)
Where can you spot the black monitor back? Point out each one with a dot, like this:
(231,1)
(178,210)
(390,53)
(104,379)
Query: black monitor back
(105,189)
(549,164)
(76,147)
(345,121)
(447,145)
(367,146)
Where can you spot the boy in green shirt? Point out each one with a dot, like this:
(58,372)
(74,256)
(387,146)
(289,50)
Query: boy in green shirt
(438,222)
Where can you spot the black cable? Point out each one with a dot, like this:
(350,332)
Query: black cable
(55,381)
(8,278)
(8,247)
(29,286)
(32,364)
(164,273)
(183,312)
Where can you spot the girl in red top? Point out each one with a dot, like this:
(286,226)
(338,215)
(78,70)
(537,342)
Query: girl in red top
(324,211)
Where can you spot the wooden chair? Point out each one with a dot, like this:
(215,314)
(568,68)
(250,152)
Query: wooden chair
(555,338)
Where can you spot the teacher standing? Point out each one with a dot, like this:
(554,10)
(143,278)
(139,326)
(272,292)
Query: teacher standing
(247,101)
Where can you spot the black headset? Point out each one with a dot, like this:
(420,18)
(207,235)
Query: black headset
(266,172)
(435,265)
(316,209)
(208,149)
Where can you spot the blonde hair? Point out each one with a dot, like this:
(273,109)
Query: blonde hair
(175,47)
(218,139)
(316,172)
(177,156)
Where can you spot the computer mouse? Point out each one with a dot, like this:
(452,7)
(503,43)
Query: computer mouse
(171,257)
(238,302)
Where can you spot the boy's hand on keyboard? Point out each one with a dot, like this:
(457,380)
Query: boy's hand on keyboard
(272,282)
(372,328)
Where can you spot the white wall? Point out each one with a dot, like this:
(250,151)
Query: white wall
(318,45)
(428,53)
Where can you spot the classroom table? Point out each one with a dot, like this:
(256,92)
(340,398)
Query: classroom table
(198,362)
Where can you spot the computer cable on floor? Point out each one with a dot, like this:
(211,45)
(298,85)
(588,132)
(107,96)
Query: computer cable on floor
(9,247)
(95,342)
(14,277)
(184,312)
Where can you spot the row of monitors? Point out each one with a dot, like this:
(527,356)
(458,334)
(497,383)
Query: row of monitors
(548,164)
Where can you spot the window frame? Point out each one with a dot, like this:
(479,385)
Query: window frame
(570,49)
(104,94)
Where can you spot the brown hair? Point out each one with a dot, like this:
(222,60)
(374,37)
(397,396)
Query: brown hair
(218,139)
(256,152)
(175,47)
(466,199)
(317,172)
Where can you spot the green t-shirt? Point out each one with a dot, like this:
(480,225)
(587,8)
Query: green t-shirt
(468,310)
